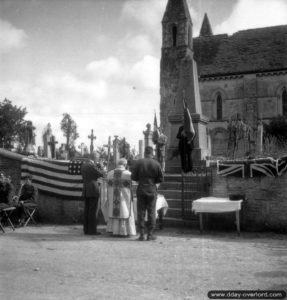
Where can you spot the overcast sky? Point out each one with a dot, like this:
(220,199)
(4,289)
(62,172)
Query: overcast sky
(98,60)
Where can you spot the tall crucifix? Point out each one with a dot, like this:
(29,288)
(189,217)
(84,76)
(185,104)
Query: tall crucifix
(52,145)
(92,137)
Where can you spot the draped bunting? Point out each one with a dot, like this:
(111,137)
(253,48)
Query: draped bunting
(253,167)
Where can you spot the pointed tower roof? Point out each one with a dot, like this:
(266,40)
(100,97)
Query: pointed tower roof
(176,10)
(205,27)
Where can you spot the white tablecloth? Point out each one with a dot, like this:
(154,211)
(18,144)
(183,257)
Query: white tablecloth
(215,205)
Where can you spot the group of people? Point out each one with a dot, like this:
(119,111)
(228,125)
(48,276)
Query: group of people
(148,174)
(27,195)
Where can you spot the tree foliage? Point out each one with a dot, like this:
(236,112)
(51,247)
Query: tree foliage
(12,124)
(276,129)
(69,128)
(124,148)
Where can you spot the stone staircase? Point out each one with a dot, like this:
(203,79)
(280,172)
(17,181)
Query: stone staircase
(179,211)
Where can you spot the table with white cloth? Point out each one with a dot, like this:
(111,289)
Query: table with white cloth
(217,205)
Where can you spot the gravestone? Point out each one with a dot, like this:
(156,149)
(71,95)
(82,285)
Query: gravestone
(29,138)
(52,145)
(148,136)
(92,137)
(46,139)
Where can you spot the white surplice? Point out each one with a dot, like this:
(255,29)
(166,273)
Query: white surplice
(120,205)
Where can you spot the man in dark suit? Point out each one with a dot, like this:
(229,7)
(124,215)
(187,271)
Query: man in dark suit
(148,173)
(91,191)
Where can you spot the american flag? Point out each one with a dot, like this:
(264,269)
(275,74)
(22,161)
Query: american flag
(60,178)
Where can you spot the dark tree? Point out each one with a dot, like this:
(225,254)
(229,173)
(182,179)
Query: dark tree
(69,128)
(12,124)
(124,148)
(276,129)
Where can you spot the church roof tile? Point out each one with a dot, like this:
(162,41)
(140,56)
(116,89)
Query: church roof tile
(246,51)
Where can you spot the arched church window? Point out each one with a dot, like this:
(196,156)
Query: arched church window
(174,35)
(284,102)
(219,107)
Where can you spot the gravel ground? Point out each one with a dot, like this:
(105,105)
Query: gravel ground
(59,262)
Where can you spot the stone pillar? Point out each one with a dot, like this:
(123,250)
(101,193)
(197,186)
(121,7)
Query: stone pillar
(63,152)
(188,90)
(141,149)
(250,98)
(116,150)
(259,142)
(46,139)
(29,138)
(148,136)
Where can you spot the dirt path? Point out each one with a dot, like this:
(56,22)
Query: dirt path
(59,262)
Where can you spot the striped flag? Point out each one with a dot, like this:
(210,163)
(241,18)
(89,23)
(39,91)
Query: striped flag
(188,125)
(60,178)
(253,167)
(264,167)
(227,168)
(282,165)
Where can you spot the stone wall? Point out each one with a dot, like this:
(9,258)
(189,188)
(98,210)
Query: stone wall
(264,209)
(266,204)
(252,96)
(59,211)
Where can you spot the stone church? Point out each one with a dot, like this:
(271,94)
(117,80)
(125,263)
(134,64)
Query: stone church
(220,76)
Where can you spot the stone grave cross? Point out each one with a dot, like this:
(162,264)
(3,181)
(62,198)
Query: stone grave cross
(92,137)
(52,145)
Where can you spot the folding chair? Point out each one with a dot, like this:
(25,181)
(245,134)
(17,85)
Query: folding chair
(5,215)
(29,210)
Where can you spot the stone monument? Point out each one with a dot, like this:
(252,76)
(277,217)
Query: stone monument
(116,153)
(29,138)
(47,134)
(148,136)
(179,81)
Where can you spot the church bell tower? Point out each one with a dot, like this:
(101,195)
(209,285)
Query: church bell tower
(179,79)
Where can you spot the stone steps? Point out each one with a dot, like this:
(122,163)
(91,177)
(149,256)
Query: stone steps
(171,189)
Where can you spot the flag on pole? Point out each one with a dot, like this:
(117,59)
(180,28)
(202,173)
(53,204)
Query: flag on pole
(156,132)
(187,122)
(59,178)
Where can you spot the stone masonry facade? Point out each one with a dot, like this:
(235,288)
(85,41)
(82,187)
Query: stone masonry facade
(241,74)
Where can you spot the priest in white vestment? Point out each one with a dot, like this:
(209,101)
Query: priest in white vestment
(121,220)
